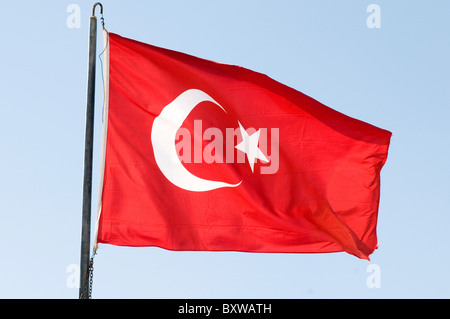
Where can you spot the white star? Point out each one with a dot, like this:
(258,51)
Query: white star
(249,146)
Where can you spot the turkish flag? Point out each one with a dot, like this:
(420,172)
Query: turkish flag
(207,156)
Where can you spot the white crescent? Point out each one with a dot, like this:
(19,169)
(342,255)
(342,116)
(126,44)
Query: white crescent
(164,130)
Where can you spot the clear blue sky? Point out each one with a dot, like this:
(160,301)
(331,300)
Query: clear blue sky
(396,77)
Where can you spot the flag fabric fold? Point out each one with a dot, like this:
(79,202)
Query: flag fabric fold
(207,156)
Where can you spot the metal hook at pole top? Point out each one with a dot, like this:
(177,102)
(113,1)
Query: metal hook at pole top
(95,5)
(101,12)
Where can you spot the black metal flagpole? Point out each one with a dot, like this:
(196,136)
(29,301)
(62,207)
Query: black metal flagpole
(88,154)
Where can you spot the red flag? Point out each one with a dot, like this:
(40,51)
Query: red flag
(207,156)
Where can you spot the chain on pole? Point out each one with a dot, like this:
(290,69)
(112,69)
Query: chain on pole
(87,286)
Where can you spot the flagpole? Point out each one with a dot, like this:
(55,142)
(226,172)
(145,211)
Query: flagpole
(88,154)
